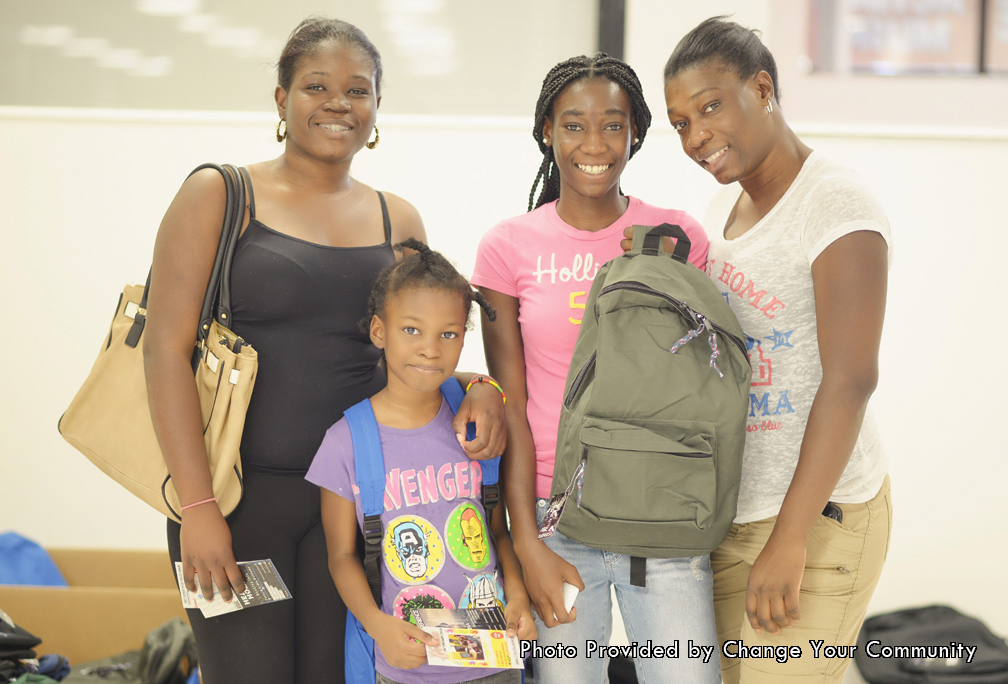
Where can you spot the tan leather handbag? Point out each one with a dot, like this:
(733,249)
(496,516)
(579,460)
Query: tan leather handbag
(109,420)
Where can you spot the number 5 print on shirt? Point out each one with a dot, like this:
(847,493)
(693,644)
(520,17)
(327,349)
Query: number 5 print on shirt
(576,305)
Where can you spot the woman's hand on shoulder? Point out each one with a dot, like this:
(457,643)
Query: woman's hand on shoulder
(405,219)
(483,405)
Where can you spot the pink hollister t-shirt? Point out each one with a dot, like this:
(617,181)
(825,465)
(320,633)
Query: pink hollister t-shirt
(549,266)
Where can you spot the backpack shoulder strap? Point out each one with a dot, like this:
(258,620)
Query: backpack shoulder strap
(369,465)
(358,653)
(454,394)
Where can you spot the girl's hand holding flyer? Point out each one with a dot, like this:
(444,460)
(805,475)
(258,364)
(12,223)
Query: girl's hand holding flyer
(470,638)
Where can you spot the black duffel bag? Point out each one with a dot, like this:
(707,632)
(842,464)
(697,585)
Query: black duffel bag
(931,645)
(15,643)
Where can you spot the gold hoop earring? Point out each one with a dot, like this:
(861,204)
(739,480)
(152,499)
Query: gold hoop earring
(374,143)
(281,136)
(769,107)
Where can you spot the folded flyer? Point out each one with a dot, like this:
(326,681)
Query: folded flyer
(475,637)
(263,584)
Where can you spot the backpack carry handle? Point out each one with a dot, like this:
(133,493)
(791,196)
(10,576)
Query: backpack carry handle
(651,241)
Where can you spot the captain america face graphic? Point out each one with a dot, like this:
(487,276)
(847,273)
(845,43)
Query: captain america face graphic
(411,547)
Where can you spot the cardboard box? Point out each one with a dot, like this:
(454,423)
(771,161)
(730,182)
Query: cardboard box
(114,599)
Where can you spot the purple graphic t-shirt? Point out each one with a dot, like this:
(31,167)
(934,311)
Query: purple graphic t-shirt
(436,550)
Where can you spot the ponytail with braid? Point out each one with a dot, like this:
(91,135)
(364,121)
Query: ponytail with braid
(558,78)
(423,269)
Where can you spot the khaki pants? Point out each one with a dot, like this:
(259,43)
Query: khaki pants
(842,566)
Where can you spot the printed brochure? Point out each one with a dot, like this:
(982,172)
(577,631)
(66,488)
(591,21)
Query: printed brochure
(469,638)
(263,584)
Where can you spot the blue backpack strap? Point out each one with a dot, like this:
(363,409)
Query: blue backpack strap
(358,653)
(454,394)
(369,464)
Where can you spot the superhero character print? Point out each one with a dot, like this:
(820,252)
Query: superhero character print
(467,538)
(413,550)
(482,591)
(426,596)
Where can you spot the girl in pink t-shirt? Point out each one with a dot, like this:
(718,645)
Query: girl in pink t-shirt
(536,270)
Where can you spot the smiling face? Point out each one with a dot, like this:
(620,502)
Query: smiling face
(421,333)
(590,131)
(332,102)
(721,119)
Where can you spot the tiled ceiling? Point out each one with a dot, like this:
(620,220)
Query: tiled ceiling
(440,56)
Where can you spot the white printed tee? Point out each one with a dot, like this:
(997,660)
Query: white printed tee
(766,277)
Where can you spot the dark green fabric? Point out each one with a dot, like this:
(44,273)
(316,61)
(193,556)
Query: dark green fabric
(167,657)
(661,434)
(34,679)
(169,653)
(129,675)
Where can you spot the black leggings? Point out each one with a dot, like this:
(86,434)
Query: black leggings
(299,640)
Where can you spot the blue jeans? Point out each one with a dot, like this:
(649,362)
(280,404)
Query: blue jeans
(675,608)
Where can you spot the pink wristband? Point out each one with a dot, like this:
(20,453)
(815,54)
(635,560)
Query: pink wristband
(199,503)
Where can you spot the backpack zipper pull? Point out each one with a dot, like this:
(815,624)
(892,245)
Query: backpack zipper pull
(556,505)
(579,474)
(686,338)
(712,339)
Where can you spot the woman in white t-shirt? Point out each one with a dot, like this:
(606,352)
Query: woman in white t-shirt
(800,249)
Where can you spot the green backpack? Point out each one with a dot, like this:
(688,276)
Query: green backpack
(654,421)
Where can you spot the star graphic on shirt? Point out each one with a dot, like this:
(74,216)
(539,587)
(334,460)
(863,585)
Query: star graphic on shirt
(780,339)
(750,342)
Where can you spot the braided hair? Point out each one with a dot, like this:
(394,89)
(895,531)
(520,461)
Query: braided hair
(561,76)
(423,269)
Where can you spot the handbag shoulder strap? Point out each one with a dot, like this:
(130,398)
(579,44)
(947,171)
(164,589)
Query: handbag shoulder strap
(219,284)
(248,191)
(234,216)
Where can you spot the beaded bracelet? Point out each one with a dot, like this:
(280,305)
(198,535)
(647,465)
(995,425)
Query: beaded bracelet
(199,503)
(488,380)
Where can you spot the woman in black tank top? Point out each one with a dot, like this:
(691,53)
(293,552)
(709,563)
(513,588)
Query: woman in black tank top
(313,242)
